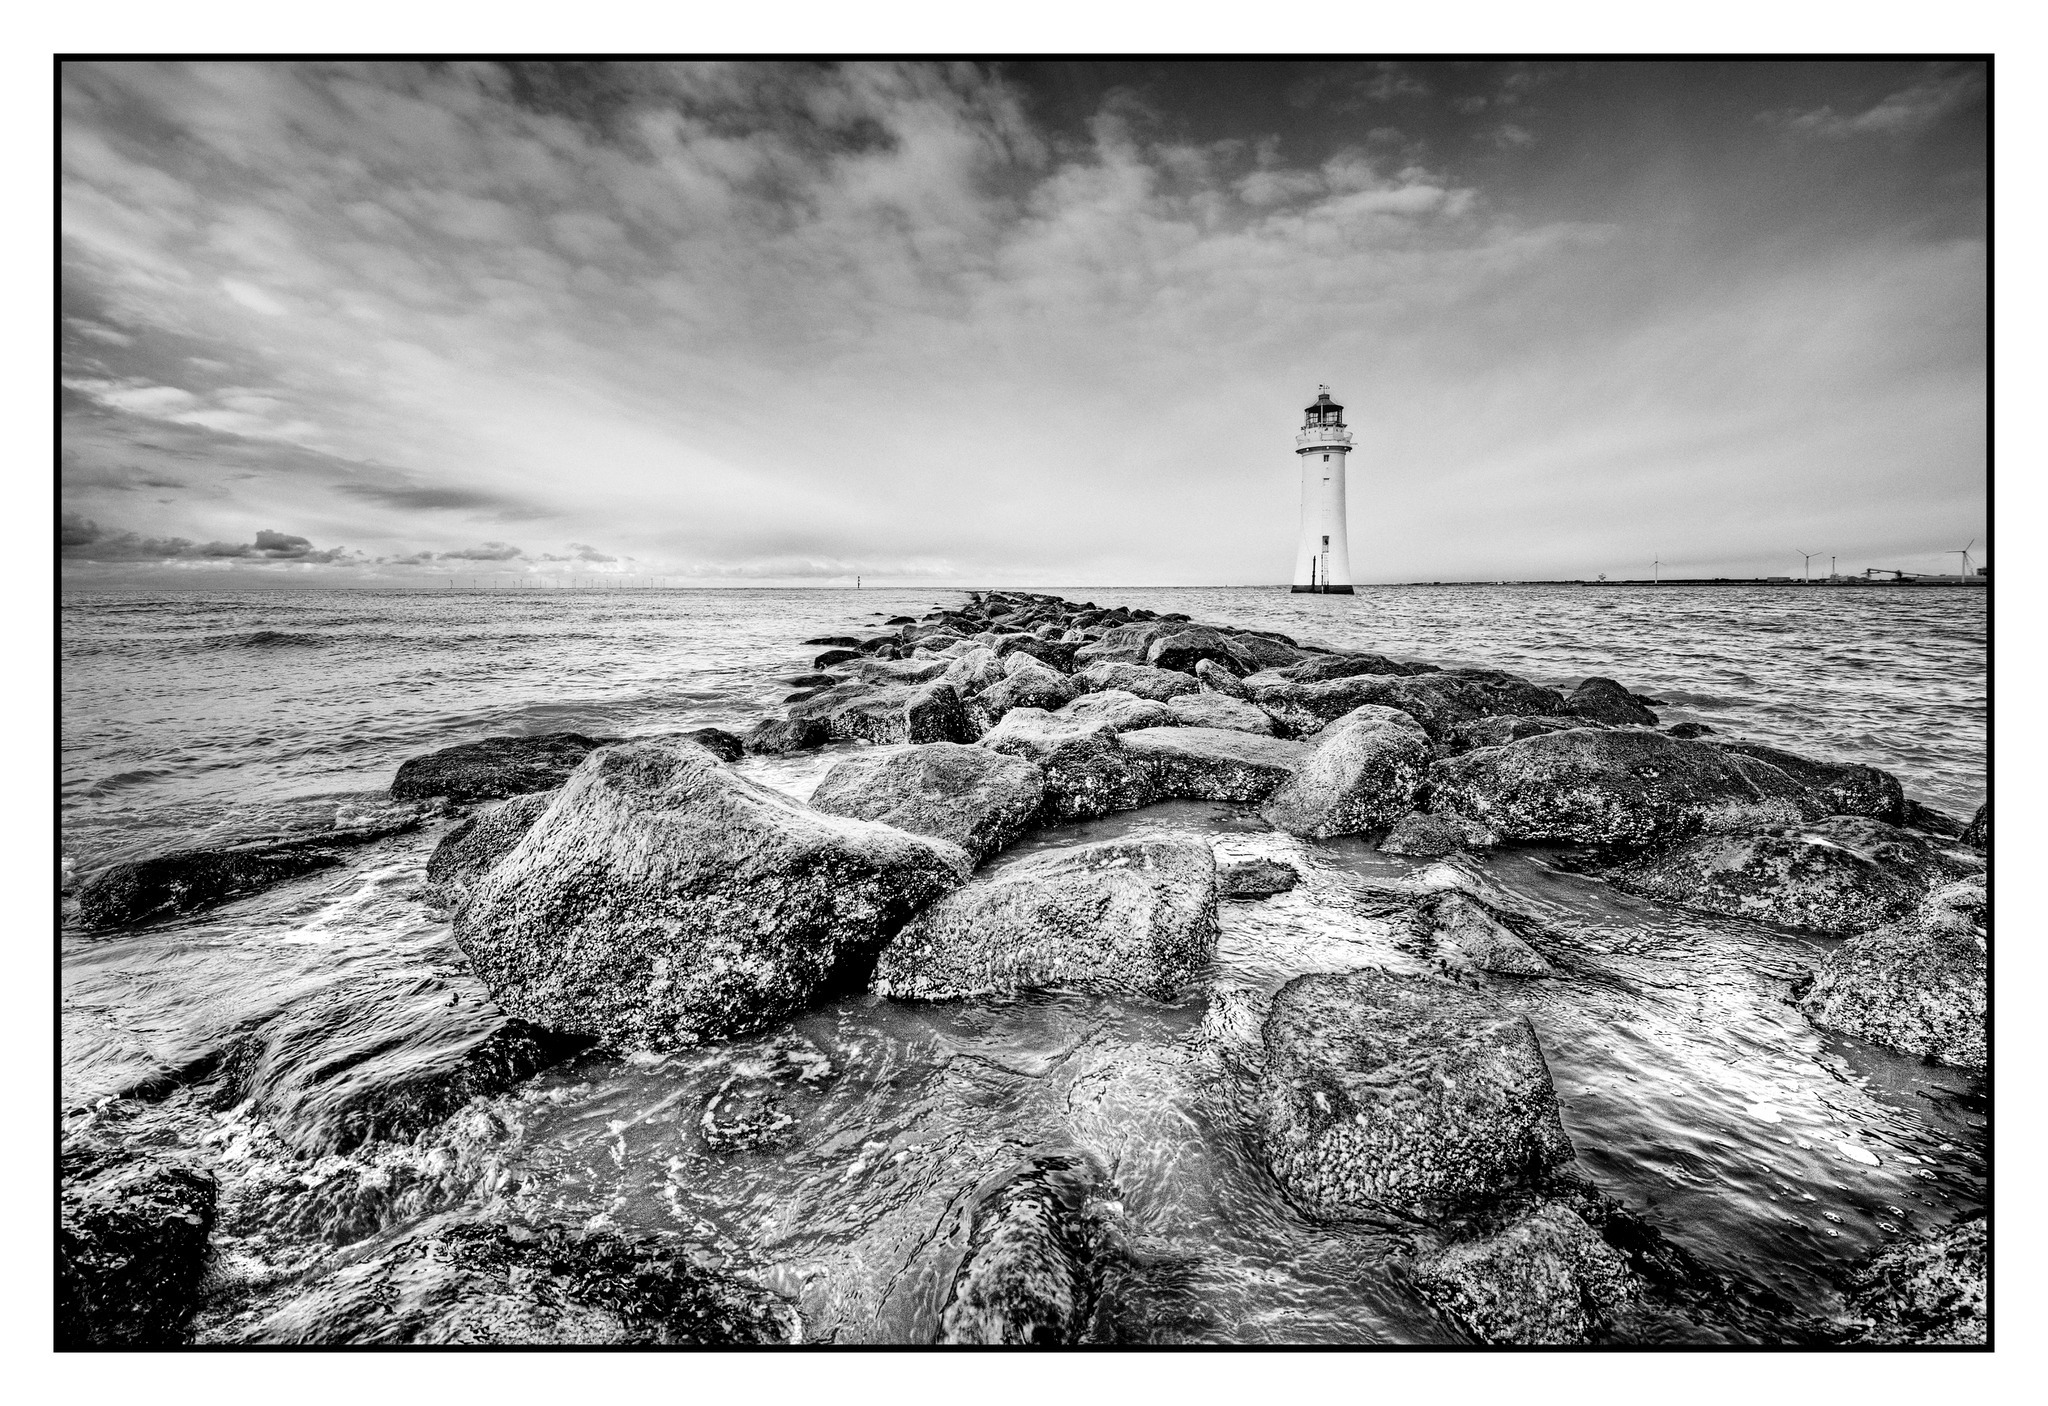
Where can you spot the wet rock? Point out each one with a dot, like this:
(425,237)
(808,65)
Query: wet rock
(466,1279)
(1135,917)
(836,641)
(717,741)
(479,841)
(1027,684)
(1211,709)
(1050,652)
(1361,772)
(1217,679)
(1182,649)
(1468,936)
(974,797)
(1621,787)
(1499,731)
(834,656)
(1918,986)
(1141,679)
(1440,701)
(1323,667)
(1689,730)
(898,671)
(187,881)
(131,1251)
(1405,1094)
(1547,1280)
(1256,878)
(863,712)
(1266,650)
(935,713)
(1605,701)
(772,737)
(1843,788)
(1926,1293)
(381,1058)
(664,900)
(1427,836)
(973,671)
(1036,1241)
(494,768)
(1977,834)
(899,620)
(1933,822)
(1211,764)
(1842,874)
(1119,711)
(1087,774)
(1120,644)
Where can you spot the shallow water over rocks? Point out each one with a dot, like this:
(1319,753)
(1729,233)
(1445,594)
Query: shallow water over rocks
(836,1159)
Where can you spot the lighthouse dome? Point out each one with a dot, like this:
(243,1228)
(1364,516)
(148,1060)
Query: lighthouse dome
(1325,411)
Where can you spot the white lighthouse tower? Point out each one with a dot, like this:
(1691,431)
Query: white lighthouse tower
(1322,564)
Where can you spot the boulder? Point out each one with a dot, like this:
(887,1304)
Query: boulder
(1050,652)
(1130,917)
(1499,731)
(1689,730)
(1428,836)
(1035,1239)
(131,1251)
(882,713)
(900,671)
(1211,764)
(1027,684)
(664,900)
(1361,772)
(189,880)
(1211,709)
(1321,668)
(1842,874)
(772,737)
(1605,701)
(1140,679)
(1120,644)
(1087,774)
(1181,649)
(836,641)
(717,741)
(1468,936)
(479,841)
(1265,650)
(1977,834)
(1440,701)
(1547,1280)
(1933,822)
(1843,788)
(1621,787)
(1918,986)
(1119,711)
(467,1279)
(973,797)
(380,1058)
(834,656)
(934,713)
(1926,1293)
(494,768)
(1256,878)
(974,671)
(1409,1095)
(1217,679)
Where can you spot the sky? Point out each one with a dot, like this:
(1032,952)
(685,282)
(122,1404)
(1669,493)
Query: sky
(1016,324)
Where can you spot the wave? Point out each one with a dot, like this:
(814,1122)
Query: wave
(263,639)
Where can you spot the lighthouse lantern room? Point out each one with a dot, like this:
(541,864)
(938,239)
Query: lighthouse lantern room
(1322,564)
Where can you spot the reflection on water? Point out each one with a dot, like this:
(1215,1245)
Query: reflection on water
(834,1158)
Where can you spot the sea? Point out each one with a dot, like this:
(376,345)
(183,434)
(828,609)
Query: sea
(1696,1095)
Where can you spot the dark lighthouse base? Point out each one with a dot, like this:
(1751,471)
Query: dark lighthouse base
(1323,590)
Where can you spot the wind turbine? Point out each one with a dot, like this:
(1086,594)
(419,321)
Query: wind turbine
(1965,555)
(1806,566)
(1656,571)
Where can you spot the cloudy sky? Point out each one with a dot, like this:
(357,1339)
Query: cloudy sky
(1030,323)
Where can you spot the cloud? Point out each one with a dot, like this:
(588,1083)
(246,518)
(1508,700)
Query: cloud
(1944,89)
(432,498)
(489,551)
(80,538)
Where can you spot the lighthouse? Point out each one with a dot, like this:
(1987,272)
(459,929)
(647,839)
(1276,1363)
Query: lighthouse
(1322,564)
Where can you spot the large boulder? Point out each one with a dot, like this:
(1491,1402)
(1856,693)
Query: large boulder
(885,713)
(1119,711)
(466,1279)
(1468,936)
(1322,667)
(1211,764)
(1053,653)
(494,768)
(1134,917)
(1499,731)
(1621,787)
(1842,874)
(1141,679)
(664,900)
(1427,836)
(1181,649)
(1087,774)
(1361,773)
(1926,1293)
(976,669)
(186,881)
(1441,701)
(1549,1279)
(1256,878)
(1211,709)
(380,1058)
(1035,1240)
(1214,678)
(1385,1093)
(772,737)
(974,797)
(1605,701)
(1027,684)
(1265,650)
(1120,644)
(484,837)
(1918,986)
(1977,834)
(131,1251)
(1844,788)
